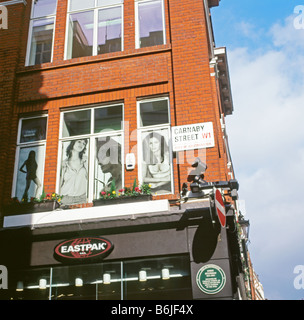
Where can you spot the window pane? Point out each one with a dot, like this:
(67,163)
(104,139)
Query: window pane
(30,172)
(44,8)
(76,123)
(156,161)
(154,113)
(144,279)
(42,41)
(108,166)
(74,172)
(108,2)
(81,4)
(108,118)
(109,30)
(80,37)
(33,129)
(90,284)
(150,23)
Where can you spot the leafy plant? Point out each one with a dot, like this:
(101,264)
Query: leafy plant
(135,191)
(43,198)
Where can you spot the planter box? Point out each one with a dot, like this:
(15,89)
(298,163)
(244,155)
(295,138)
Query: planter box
(30,207)
(105,202)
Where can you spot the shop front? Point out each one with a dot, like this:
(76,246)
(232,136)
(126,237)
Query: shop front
(156,256)
(157,278)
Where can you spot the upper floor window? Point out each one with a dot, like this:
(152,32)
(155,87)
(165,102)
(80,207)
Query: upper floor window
(155,156)
(41,34)
(90,153)
(150,23)
(94,27)
(30,158)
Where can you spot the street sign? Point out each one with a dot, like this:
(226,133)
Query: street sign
(220,207)
(211,279)
(193,136)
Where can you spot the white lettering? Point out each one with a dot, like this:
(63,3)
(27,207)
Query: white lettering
(84,247)
(299,280)
(128,310)
(3,277)
(102,246)
(3,17)
(63,249)
(298,21)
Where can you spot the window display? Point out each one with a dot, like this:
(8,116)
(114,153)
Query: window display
(92,162)
(155,162)
(30,157)
(141,279)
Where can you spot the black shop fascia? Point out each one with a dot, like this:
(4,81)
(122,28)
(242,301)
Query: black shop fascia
(162,249)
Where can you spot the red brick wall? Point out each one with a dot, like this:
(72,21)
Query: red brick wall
(195,96)
(179,69)
(10,47)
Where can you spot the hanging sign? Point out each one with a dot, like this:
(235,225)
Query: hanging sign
(211,279)
(193,136)
(82,249)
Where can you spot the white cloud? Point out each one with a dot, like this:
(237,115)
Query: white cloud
(248,30)
(266,135)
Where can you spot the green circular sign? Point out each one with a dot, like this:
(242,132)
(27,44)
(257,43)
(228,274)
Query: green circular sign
(211,279)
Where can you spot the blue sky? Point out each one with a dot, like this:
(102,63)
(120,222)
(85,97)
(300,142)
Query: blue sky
(266,132)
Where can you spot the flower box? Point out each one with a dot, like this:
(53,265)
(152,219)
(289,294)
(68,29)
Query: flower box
(121,200)
(30,207)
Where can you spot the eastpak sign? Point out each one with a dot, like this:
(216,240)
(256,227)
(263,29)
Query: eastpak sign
(83,249)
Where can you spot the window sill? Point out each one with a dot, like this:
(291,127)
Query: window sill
(93,59)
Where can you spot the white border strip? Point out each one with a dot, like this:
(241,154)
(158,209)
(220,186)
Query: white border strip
(11,2)
(73,215)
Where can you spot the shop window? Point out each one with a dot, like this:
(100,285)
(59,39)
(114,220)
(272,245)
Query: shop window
(155,156)
(91,151)
(41,34)
(94,27)
(87,282)
(30,158)
(160,278)
(150,23)
(157,279)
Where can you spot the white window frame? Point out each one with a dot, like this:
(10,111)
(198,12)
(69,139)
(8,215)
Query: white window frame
(96,9)
(137,31)
(91,152)
(29,40)
(21,145)
(144,129)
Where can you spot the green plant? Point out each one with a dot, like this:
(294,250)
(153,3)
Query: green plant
(135,191)
(43,198)
(111,194)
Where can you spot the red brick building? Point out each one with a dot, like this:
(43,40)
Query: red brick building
(120,90)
